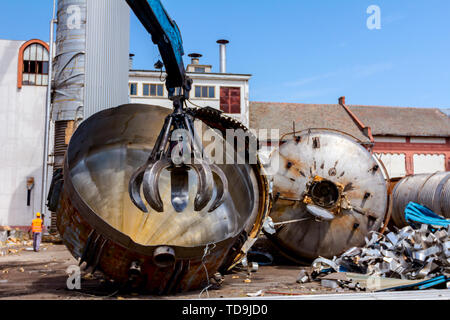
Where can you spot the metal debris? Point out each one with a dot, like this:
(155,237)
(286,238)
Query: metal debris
(218,278)
(268,226)
(408,254)
(3,237)
(253,267)
(303,277)
(256,294)
(332,284)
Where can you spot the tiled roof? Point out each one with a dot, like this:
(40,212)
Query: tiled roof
(269,115)
(401,121)
(384,121)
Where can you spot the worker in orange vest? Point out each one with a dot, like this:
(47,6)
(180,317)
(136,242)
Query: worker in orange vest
(36,228)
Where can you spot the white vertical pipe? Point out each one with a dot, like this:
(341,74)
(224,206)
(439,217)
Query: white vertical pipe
(223,55)
(223,59)
(47,113)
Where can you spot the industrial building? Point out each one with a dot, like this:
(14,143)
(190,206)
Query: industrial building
(223,91)
(408,140)
(24,76)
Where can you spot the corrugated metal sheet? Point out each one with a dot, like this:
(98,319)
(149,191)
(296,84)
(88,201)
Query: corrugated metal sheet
(429,190)
(107,47)
(91,65)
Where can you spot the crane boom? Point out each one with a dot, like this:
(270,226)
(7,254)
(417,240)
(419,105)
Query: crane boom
(167,36)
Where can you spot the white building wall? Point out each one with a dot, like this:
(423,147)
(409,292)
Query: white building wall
(395,164)
(428,163)
(22,117)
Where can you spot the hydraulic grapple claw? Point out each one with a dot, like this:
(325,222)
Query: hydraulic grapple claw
(149,174)
(221,182)
(134,188)
(205,185)
(179,187)
(151,184)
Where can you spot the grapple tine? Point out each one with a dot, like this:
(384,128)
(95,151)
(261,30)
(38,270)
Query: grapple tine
(134,188)
(221,187)
(151,184)
(205,185)
(179,182)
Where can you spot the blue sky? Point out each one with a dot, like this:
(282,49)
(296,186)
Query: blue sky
(309,51)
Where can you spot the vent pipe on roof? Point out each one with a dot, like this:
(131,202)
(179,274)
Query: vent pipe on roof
(131,61)
(223,55)
(195,58)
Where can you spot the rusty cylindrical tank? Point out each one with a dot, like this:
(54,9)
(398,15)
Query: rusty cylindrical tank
(329,193)
(160,252)
(429,190)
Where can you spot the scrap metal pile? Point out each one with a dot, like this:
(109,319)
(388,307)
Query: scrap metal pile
(418,256)
(407,254)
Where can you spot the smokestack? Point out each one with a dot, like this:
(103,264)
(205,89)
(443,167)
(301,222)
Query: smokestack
(223,55)
(131,61)
(195,58)
(342,101)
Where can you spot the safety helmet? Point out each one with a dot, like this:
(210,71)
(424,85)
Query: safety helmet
(38,214)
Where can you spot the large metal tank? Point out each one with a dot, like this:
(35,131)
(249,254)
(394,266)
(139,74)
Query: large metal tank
(329,193)
(162,252)
(429,190)
(91,66)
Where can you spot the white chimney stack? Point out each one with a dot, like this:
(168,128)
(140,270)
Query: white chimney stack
(223,55)
(130,61)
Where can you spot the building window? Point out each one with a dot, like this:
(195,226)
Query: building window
(33,64)
(205,92)
(230,100)
(133,89)
(200,69)
(153,90)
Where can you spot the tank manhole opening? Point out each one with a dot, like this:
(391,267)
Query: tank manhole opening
(324,193)
(164,257)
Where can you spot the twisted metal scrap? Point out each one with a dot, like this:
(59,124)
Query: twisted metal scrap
(408,254)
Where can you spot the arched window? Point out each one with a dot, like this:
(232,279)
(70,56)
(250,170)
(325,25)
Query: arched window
(33,64)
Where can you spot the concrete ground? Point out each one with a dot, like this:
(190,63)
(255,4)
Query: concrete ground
(42,275)
(27,275)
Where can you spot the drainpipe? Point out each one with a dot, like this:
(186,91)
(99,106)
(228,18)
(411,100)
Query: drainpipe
(45,163)
(365,129)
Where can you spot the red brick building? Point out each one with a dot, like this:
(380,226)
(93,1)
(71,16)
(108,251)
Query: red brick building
(407,140)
